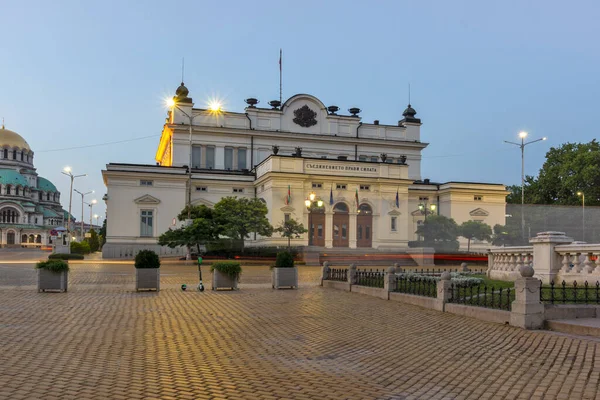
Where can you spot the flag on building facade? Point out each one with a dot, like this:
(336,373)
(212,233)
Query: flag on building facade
(331,195)
(356,198)
(288,198)
(397,199)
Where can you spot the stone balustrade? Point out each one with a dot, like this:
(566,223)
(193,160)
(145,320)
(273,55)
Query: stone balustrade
(504,263)
(578,262)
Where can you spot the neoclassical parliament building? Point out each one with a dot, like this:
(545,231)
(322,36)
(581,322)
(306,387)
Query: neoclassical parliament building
(353,184)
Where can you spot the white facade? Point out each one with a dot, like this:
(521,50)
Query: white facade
(301,147)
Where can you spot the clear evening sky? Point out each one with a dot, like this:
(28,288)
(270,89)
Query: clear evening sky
(77,73)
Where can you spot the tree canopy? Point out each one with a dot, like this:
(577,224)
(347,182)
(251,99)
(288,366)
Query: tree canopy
(203,229)
(290,229)
(475,230)
(239,217)
(439,232)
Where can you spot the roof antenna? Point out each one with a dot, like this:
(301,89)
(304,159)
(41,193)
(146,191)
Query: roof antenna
(182,68)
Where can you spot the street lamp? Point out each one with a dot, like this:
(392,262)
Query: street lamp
(583,212)
(96,218)
(91,207)
(522,145)
(310,203)
(214,107)
(427,209)
(67,171)
(82,202)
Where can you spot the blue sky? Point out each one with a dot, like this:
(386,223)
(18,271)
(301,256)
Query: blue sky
(82,73)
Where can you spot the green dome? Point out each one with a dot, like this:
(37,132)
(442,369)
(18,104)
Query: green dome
(12,177)
(45,185)
(49,213)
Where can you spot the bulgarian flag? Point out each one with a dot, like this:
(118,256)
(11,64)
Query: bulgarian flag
(356,197)
(288,198)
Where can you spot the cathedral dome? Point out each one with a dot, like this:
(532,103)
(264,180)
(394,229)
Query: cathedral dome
(12,139)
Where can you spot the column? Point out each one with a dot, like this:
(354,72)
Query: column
(328,229)
(547,262)
(527,309)
(352,230)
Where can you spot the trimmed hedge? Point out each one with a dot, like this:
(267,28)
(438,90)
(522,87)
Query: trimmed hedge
(53,265)
(55,256)
(80,248)
(232,269)
(147,259)
(285,259)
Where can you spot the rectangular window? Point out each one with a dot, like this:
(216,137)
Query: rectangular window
(344,231)
(359,232)
(320,230)
(196,156)
(146,223)
(146,183)
(286,217)
(238,190)
(228,158)
(317,185)
(242,159)
(362,158)
(21,156)
(336,231)
(367,232)
(389,160)
(393,224)
(365,187)
(374,159)
(200,188)
(210,157)
(340,186)
(478,198)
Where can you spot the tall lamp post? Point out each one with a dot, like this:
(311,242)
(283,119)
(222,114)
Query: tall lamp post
(82,203)
(310,203)
(583,213)
(522,145)
(67,171)
(215,108)
(94,201)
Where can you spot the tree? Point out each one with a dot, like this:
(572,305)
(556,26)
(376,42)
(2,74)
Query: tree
(103,233)
(475,230)
(505,235)
(93,241)
(568,169)
(203,229)
(239,217)
(290,229)
(200,211)
(439,232)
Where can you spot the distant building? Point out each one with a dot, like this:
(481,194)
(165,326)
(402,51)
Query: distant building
(29,204)
(367,176)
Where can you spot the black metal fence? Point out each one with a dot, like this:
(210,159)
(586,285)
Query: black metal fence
(370,278)
(575,293)
(438,271)
(338,274)
(482,296)
(419,287)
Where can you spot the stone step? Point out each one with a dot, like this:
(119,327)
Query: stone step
(579,326)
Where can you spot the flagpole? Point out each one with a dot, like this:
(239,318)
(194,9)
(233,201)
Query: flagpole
(280,79)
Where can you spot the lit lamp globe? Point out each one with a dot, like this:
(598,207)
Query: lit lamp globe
(312,196)
(433,207)
(320,203)
(307,203)
(523,135)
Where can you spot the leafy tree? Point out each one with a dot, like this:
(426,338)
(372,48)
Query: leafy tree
(203,229)
(290,229)
(102,233)
(200,211)
(239,217)
(475,230)
(439,232)
(93,241)
(505,235)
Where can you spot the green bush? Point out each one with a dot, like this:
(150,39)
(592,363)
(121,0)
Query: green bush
(229,268)
(147,259)
(53,265)
(55,256)
(80,248)
(285,259)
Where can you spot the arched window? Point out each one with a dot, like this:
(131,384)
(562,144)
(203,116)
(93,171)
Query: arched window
(48,196)
(365,209)
(17,191)
(9,216)
(8,187)
(340,208)
(14,154)
(22,155)
(24,239)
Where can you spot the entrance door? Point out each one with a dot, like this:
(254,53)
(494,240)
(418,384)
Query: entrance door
(341,222)
(317,229)
(10,238)
(364,226)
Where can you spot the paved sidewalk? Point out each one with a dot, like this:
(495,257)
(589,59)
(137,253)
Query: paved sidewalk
(102,340)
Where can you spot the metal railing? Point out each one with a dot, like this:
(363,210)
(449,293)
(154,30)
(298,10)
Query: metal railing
(370,278)
(575,293)
(482,296)
(338,274)
(419,287)
(439,271)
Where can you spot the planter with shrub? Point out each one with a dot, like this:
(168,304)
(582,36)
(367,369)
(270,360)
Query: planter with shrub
(147,271)
(52,275)
(226,274)
(284,274)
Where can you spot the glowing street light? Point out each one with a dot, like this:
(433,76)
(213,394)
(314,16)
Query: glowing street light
(67,171)
(94,201)
(582,195)
(82,202)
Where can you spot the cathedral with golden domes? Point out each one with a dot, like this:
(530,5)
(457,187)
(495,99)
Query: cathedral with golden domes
(29,204)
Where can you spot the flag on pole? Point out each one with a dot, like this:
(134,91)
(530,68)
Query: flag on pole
(280,54)
(356,197)
(288,198)
(331,195)
(397,199)
(280,78)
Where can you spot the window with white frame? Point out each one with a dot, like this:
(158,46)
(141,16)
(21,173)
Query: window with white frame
(146,222)
(478,198)
(316,185)
(374,159)
(238,190)
(210,157)
(144,182)
(286,217)
(362,158)
(228,158)
(393,224)
(340,186)
(196,156)
(365,187)
(200,188)
(241,158)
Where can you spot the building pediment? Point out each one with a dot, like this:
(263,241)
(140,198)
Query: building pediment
(147,199)
(417,213)
(479,212)
(287,209)
(205,202)
(394,213)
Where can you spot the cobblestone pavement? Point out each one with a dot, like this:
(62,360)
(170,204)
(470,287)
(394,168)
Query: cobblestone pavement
(102,340)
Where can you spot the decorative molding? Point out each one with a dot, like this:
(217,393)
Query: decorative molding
(203,202)
(287,208)
(305,117)
(417,213)
(394,212)
(147,199)
(479,212)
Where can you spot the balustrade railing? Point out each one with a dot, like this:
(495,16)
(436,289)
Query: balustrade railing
(510,259)
(579,259)
(370,278)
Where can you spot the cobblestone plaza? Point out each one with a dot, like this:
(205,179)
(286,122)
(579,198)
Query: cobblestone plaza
(102,340)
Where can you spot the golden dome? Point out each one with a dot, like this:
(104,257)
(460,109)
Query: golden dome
(12,139)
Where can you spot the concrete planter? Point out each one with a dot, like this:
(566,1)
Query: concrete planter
(223,281)
(147,279)
(284,277)
(52,281)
